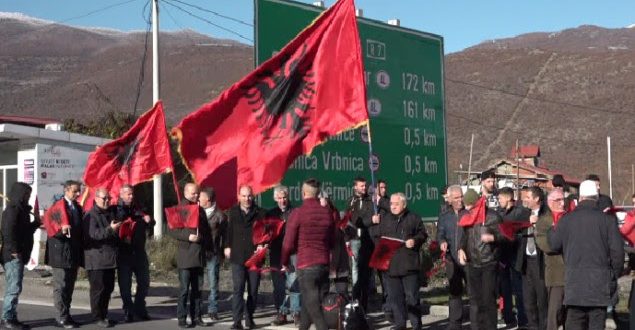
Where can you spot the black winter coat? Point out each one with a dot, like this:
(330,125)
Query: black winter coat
(17,229)
(593,252)
(239,232)
(481,254)
(521,253)
(217,222)
(406,226)
(275,248)
(102,242)
(192,254)
(362,210)
(65,252)
(142,230)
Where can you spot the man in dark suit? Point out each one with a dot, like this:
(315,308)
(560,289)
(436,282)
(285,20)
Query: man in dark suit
(65,254)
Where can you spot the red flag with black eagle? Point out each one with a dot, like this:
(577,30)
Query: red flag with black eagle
(384,251)
(126,230)
(509,228)
(183,216)
(263,232)
(140,153)
(56,217)
(312,89)
(475,215)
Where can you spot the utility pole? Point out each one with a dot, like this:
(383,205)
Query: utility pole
(608,149)
(157,180)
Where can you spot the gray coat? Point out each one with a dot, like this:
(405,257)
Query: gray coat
(593,252)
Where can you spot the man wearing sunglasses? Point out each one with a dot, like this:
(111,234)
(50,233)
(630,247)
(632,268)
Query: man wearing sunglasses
(102,240)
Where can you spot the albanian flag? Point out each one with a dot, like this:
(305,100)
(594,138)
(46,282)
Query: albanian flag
(476,214)
(183,216)
(126,230)
(312,89)
(509,228)
(135,157)
(628,228)
(342,223)
(56,217)
(257,259)
(556,217)
(266,230)
(384,251)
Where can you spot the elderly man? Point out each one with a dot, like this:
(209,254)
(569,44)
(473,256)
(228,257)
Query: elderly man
(593,252)
(310,231)
(449,236)
(402,277)
(554,265)
(280,279)
(132,258)
(100,255)
(190,260)
(239,247)
(65,254)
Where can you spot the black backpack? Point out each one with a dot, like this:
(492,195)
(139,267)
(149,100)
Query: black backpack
(333,305)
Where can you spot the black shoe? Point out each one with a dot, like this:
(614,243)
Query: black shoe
(249,323)
(237,326)
(71,321)
(200,323)
(281,319)
(144,316)
(128,318)
(183,324)
(14,324)
(66,324)
(105,323)
(213,316)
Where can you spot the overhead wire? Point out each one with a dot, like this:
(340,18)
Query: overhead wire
(215,13)
(143,57)
(169,2)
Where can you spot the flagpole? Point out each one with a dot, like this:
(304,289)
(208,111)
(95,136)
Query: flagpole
(608,147)
(157,180)
(370,157)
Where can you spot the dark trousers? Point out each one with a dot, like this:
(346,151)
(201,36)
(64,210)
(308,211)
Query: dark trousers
(511,289)
(241,276)
(279,281)
(555,313)
(385,305)
(190,282)
(457,280)
(403,297)
(314,285)
(362,287)
(138,265)
(591,318)
(341,286)
(63,287)
(631,305)
(102,283)
(535,295)
(483,284)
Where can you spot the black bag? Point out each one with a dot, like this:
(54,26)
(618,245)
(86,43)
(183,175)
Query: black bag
(333,305)
(355,317)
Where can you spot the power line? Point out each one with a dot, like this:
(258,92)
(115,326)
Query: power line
(215,13)
(208,21)
(579,106)
(143,59)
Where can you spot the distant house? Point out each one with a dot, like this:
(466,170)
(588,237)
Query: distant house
(523,167)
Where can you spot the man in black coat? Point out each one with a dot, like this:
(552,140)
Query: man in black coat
(190,261)
(402,277)
(17,238)
(480,251)
(65,254)
(449,237)
(239,247)
(593,253)
(132,257)
(361,208)
(100,255)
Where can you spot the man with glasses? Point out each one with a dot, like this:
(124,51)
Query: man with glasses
(102,241)
(65,254)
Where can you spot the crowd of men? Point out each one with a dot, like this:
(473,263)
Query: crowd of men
(558,270)
(313,252)
(561,269)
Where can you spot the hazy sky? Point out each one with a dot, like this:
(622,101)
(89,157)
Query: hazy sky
(462,23)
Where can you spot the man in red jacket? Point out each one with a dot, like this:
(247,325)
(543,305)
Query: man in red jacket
(310,231)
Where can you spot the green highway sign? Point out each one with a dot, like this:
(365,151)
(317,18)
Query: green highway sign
(405,91)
